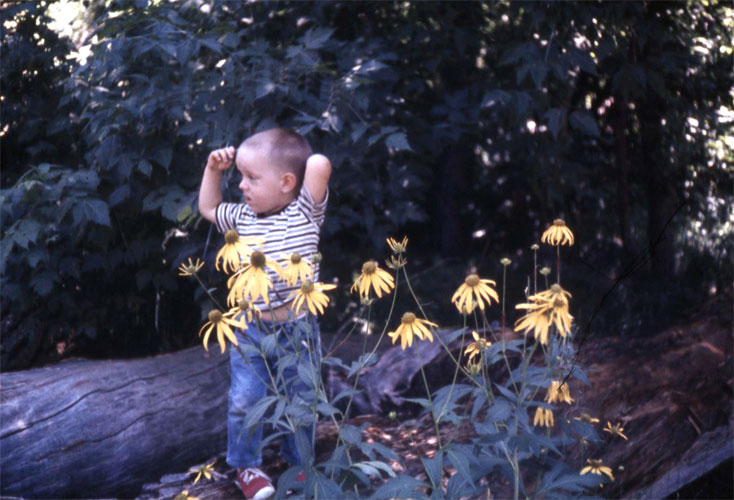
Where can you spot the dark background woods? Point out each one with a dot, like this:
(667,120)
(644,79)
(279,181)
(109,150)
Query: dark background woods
(467,126)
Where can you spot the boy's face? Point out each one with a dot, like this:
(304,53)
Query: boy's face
(264,187)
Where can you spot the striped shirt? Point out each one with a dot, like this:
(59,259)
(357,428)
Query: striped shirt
(295,228)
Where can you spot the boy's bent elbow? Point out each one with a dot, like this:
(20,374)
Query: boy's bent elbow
(208,212)
(316,179)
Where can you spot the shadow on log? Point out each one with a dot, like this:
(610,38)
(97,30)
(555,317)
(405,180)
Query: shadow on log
(84,429)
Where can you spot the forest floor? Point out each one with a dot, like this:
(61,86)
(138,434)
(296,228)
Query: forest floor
(672,392)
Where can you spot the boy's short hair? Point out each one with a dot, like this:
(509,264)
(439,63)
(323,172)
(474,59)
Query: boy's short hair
(288,150)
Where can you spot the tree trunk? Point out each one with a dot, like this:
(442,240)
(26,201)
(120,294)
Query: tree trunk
(93,428)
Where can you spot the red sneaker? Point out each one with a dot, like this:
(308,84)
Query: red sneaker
(301,477)
(254,483)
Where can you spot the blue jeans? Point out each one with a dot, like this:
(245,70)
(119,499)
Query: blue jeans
(252,380)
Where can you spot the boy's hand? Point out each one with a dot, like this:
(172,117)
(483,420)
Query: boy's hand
(221,159)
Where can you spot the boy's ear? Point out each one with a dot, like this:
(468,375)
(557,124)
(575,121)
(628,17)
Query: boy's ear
(287,182)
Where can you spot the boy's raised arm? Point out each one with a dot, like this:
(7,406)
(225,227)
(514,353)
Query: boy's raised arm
(316,178)
(210,193)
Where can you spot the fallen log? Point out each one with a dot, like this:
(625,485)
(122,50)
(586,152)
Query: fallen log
(85,428)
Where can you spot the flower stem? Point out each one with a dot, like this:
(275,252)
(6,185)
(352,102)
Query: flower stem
(558,263)
(201,283)
(430,399)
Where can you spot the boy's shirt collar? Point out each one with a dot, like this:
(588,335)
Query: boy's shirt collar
(277,212)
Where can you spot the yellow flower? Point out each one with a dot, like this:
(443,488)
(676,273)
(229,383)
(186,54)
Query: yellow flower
(558,391)
(474,287)
(222,325)
(191,268)
(312,294)
(543,417)
(373,276)
(203,470)
(234,251)
(595,467)
(475,348)
(474,367)
(585,417)
(396,262)
(398,247)
(546,308)
(615,430)
(252,281)
(557,234)
(184,495)
(297,268)
(410,325)
(243,313)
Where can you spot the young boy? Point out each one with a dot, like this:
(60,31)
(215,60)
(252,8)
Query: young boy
(285,189)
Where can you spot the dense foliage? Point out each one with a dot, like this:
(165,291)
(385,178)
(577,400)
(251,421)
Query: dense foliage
(451,122)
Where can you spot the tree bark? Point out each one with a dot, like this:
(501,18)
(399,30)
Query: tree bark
(93,428)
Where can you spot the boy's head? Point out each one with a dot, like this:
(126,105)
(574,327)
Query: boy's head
(272,164)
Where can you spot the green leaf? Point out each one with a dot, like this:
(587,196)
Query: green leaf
(380,448)
(327,410)
(23,232)
(555,120)
(364,360)
(211,44)
(305,372)
(372,468)
(434,469)
(420,401)
(460,458)
(350,434)
(43,283)
(162,155)
(499,411)
(316,38)
(35,256)
(145,168)
(584,122)
(398,142)
(325,487)
(495,97)
(538,73)
(185,213)
(400,487)
(257,412)
(97,211)
(229,40)
(119,195)
(169,48)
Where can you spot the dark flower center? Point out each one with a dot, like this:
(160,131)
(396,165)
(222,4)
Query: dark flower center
(408,318)
(257,259)
(295,258)
(307,286)
(231,237)
(559,222)
(369,267)
(243,304)
(215,316)
(472,280)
